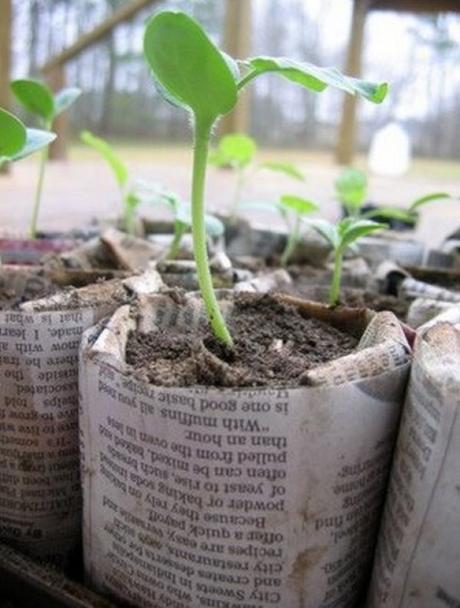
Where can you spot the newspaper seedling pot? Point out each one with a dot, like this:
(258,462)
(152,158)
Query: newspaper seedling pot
(392,247)
(418,552)
(259,496)
(40,502)
(242,239)
(31,251)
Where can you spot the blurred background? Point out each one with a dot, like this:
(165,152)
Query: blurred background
(97,46)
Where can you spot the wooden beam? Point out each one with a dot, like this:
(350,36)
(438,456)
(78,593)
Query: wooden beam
(417,6)
(126,12)
(58,149)
(237,43)
(6,17)
(346,138)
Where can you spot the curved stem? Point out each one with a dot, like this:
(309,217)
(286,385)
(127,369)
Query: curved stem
(291,242)
(200,157)
(247,78)
(38,193)
(174,248)
(334,293)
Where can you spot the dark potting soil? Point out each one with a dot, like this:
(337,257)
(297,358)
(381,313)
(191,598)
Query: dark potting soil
(352,297)
(273,346)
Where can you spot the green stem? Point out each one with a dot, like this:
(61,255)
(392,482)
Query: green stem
(130,223)
(200,157)
(38,191)
(334,293)
(174,248)
(291,242)
(247,78)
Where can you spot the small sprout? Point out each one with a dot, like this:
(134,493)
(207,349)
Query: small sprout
(298,208)
(131,196)
(182,214)
(36,97)
(195,75)
(288,169)
(341,236)
(351,189)
(16,141)
(409,215)
(237,152)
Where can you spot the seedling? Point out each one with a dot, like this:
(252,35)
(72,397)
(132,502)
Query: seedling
(194,74)
(17,141)
(293,210)
(130,193)
(37,98)
(351,189)
(341,236)
(409,215)
(237,151)
(182,214)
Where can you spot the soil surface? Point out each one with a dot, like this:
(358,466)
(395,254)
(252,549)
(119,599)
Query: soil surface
(353,297)
(273,346)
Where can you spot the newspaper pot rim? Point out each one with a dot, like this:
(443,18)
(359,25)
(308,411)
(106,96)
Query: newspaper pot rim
(108,339)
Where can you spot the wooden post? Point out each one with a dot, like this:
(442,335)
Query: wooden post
(346,139)
(237,43)
(6,17)
(55,77)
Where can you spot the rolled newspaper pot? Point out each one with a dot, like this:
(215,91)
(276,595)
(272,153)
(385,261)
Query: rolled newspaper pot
(40,498)
(418,552)
(411,289)
(242,497)
(423,310)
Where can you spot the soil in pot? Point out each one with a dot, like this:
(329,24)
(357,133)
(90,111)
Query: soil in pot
(354,298)
(274,345)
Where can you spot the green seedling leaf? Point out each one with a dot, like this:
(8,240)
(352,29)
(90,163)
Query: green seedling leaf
(391,213)
(351,229)
(327,230)
(235,150)
(64,99)
(312,77)
(435,196)
(288,169)
(299,205)
(351,188)
(35,97)
(189,66)
(118,167)
(13,134)
(36,140)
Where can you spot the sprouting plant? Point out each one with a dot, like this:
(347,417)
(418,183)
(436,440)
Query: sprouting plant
(37,98)
(293,210)
(341,236)
(408,215)
(238,151)
(194,74)
(182,214)
(130,195)
(298,208)
(17,141)
(351,189)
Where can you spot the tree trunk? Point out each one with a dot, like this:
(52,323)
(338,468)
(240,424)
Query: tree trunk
(237,43)
(346,141)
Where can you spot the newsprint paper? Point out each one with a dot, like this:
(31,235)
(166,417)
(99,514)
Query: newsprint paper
(251,498)
(418,555)
(40,497)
